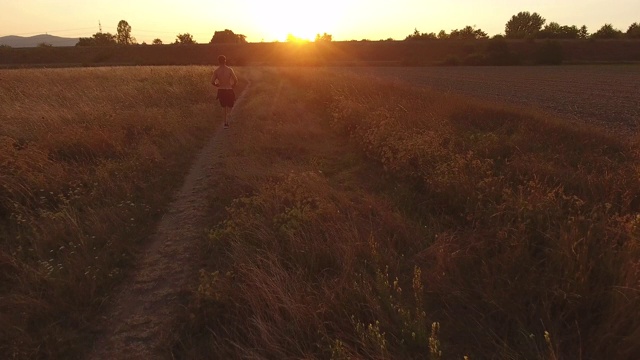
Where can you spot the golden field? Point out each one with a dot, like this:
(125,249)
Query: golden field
(353,218)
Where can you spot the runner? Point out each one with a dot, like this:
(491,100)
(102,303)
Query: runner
(224,78)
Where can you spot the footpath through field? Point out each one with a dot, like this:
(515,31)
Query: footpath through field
(144,306)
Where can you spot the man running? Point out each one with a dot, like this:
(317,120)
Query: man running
(225,79)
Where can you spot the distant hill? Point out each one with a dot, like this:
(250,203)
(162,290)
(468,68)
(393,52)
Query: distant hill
(33,41)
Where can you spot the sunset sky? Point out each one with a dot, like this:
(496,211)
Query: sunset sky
(272,20)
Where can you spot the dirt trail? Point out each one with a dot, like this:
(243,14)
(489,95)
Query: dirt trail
(144,306)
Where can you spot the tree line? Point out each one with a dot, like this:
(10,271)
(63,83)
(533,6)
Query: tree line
(123,37)
(526,25)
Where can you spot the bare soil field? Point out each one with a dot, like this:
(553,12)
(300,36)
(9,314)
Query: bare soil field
(608,95)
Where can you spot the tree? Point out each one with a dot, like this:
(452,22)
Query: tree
(123,33)
(634,31)
(524,25)
(443,35)
(157,41)
(468,33)
(324,38)
(86,41)
(184,39)
(554,31)
(98,39)
(294,39)
(583,33)
(227,37)
(105,39)
(416,35)
(607,32)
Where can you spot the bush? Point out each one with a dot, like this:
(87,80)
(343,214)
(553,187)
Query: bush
(498,53)
(413,60)
(549,53)
(475,59)
(451,60)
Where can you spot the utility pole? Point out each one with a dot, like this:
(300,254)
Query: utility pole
(99,27)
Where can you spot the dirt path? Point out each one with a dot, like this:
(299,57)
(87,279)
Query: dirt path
(143,307)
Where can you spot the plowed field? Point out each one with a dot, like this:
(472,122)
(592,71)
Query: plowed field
(606,95)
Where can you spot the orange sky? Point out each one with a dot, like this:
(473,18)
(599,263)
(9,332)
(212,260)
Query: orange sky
(273,20)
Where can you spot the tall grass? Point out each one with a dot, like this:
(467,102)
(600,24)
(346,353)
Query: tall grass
(88,160)
(536,218)
(372,219)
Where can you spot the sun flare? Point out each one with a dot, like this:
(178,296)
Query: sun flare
(282,19)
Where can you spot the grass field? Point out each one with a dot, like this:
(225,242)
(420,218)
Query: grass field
(353,218)
(88,160)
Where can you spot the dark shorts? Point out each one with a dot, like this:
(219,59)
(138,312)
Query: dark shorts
(227,97)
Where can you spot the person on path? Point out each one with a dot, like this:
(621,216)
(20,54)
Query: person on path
(224,78)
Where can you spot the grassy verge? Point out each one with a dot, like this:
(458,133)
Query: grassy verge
(88,160)
(367,219)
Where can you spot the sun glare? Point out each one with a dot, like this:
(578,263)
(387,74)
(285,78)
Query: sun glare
(279,20)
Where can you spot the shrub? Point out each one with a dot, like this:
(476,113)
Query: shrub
(497,52)
(549,53)
(451,60)
(475,59)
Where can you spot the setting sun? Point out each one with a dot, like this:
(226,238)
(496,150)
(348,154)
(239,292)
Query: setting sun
(285,18)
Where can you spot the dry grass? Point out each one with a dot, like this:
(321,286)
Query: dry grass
(354,218)
(88,160)
(369,220)
(536,219)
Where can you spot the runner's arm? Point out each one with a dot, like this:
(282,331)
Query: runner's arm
(214,78)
